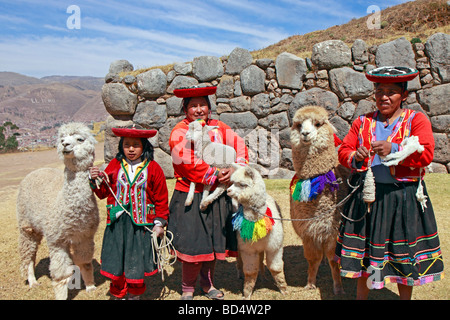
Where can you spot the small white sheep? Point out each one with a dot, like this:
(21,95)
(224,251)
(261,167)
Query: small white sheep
(215,154)
(61,207)
(314,193)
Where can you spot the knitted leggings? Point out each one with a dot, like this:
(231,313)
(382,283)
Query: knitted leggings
(191,270)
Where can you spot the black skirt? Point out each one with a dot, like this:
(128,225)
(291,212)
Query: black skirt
(127,250)
(202,235)
(396,241)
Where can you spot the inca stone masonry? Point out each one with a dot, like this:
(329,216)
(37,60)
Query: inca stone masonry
(258,98)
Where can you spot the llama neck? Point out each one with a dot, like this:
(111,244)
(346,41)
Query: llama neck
(255,210)
(75,178)
(310,162)
(75,165)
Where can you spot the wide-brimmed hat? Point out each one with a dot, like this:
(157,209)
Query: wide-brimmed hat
(391,74)
(194,91)
(133,132)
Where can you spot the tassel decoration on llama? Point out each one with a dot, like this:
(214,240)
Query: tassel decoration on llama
(250,230)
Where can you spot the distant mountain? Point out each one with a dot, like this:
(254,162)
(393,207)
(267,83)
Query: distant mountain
(16,79)
(40,106)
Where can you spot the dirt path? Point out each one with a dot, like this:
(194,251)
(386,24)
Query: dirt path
(15,166)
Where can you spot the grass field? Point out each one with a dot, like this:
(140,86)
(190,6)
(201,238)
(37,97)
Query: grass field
(13,287)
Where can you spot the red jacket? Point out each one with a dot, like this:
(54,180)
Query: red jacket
(147,193)
(412,124)
(188,167)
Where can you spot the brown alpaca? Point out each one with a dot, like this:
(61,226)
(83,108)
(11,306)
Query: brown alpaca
(314,154)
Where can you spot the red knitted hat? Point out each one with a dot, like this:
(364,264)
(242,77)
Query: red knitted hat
(194,91)
(133,132)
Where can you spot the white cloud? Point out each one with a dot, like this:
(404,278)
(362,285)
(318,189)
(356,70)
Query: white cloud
(43,56)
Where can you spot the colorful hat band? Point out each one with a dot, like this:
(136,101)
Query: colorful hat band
(391,74)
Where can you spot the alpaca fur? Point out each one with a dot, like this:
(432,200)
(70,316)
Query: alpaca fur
(249,190)
(313,154)
(62,208)
(215,154)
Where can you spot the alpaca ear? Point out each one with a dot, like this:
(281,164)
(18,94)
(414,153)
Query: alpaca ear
(249,172)
(329,123)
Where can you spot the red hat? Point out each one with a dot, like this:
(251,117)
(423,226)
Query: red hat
(194,91)
(133,132)
(391,74)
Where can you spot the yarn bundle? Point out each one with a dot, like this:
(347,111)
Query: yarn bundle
(369,187)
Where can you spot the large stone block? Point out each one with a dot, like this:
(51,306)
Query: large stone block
(331,54)
(437,48)
(152,83)
(238,60)
(398,52)
(435,100)
(151,115)
(207,68)
(291,71)
(348,83)
(118,100)
(252,80)
(314,97)
(242,120)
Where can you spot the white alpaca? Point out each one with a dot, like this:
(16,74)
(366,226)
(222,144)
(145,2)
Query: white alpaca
(62,208)
(249,190)
(215,154)
(314,157)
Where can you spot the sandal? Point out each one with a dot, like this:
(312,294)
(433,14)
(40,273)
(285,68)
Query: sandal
(187,297)
(214,294)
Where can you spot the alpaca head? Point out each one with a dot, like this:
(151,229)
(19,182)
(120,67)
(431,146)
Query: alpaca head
(247,187)
(76,146)
(197,130)
(311,128)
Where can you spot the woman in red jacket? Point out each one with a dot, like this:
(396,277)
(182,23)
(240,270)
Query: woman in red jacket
(201,237)
(393,239)
(136,203)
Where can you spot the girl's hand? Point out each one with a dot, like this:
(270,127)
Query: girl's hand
(94,172)
(159,231)
(382,148)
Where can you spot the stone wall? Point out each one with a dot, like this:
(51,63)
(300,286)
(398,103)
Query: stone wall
(258,98)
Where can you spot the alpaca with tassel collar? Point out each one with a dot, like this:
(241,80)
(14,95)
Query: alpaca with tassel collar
(316,166)
(259,228)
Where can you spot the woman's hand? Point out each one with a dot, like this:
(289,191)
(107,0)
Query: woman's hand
(225,175)
(361,154)
(382,148)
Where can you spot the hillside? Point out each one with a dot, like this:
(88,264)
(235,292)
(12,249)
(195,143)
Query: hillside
(39,106)
(415,19)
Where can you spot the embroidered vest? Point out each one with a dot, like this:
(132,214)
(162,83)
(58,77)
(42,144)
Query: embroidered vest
(133,195)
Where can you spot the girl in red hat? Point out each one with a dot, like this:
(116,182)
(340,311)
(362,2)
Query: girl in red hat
(137,200)
(201,237)
(389,231)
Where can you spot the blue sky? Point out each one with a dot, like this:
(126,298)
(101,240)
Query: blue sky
(35,39)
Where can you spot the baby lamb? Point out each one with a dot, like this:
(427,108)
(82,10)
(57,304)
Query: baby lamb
(314,190)
(61,207)
(259,228)
(215,154)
